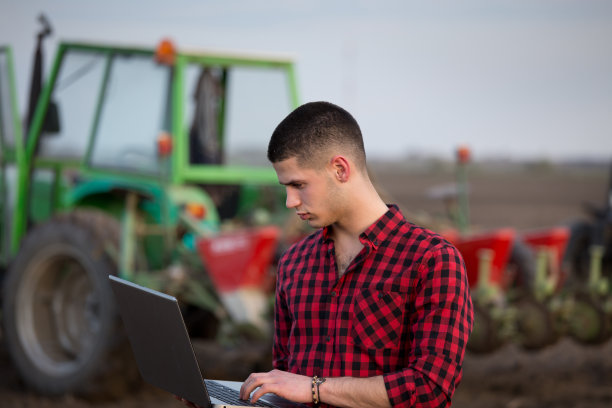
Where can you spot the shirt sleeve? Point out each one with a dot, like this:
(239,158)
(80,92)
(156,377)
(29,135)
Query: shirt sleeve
(282,327)
(442,322)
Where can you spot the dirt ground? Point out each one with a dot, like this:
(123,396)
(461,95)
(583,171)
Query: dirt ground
(565,375)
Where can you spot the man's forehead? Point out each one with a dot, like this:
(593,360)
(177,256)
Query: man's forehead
(290,170)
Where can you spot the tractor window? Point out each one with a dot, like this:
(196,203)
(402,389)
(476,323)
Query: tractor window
(76,93)
(257,100)
(6,117)
(203,101)
(133,113)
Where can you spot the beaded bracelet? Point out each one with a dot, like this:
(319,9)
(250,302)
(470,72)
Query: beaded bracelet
(316,381)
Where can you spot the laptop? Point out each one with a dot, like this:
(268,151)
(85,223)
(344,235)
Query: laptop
(164,354)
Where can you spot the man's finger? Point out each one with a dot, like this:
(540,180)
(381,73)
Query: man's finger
(263,389)
(252,382)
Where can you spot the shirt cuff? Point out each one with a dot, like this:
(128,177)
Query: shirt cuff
(400,391)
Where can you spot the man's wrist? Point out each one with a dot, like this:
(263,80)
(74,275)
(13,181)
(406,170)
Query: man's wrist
(353,392)
(316,395)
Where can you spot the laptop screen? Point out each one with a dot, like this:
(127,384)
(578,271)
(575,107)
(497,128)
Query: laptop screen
(160,342)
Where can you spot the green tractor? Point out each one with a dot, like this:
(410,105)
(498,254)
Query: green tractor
(136,162)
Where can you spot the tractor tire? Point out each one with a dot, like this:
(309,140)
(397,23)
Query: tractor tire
(61,326)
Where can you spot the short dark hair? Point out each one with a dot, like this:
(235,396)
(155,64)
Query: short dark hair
(312,130)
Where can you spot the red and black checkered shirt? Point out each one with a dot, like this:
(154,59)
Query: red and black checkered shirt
(402,310)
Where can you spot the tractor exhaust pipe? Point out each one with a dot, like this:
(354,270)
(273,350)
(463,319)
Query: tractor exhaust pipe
(37,71)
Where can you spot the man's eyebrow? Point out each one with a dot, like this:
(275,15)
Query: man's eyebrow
(290,182)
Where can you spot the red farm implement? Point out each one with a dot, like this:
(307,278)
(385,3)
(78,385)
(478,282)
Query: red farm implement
(535,286)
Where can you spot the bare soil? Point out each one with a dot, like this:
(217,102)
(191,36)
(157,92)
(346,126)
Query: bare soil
(565,375)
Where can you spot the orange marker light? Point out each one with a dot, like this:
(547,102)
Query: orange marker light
(164,144)
(165,52)
(463,154)
(196,210)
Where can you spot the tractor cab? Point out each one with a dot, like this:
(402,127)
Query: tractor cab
(161,115)
(149,164)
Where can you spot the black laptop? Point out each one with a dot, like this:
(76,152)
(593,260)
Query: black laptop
(164,354)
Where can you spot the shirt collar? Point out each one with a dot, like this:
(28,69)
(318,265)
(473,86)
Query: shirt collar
(377,232)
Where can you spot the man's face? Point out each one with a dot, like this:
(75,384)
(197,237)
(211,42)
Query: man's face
(311,192)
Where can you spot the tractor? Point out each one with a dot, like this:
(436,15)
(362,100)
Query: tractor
(145,163)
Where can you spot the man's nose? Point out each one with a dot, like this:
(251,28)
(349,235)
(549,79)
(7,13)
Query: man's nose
(292,199)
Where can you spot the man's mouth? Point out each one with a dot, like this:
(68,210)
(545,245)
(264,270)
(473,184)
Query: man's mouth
(303,216)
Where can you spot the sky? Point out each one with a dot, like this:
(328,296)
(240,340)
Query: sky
(513,79)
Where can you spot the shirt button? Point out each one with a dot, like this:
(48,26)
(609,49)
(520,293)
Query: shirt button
(327,339)
(380,295)
(333,293)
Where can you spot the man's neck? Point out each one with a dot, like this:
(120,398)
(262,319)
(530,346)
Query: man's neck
(346,232)
(346,240)
(360,217)
(362,207)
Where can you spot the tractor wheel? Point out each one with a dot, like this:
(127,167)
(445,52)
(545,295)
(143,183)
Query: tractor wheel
(61,326)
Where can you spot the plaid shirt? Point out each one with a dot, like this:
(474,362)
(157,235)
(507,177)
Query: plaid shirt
(402,310)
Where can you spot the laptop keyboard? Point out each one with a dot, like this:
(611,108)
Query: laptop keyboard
(230,396)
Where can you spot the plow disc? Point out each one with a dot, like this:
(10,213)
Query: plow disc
(536,325)
(589,323)
(486,335)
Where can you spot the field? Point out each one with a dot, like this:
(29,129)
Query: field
(522,196)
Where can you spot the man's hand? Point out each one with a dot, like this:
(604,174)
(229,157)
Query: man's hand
(290,386)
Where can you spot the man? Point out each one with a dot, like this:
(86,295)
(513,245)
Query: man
(371,310)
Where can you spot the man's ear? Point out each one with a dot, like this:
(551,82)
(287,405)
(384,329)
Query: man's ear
(341,168)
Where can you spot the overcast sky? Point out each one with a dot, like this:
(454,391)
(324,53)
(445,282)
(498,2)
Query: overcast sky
(515,78)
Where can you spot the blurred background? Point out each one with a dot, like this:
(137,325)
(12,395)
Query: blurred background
(512,79)
(523,87)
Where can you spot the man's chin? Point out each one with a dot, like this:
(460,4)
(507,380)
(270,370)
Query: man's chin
(312,223)
(315,223)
